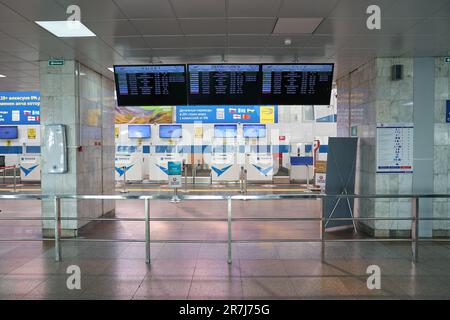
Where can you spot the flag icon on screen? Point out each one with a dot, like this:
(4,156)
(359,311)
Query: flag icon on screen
(233,110)
(236,116)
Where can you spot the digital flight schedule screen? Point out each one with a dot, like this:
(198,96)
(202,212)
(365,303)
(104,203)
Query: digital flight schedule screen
(151,85)
(297,84)
(224,84)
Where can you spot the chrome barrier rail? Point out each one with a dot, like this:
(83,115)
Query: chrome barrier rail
(57,218)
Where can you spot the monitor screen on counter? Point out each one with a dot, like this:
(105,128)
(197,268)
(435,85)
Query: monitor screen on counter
(225,131)
(139,131)
(254,130)
(9,132)
(170,131)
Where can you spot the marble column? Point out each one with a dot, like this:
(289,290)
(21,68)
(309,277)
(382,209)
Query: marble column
(83,100)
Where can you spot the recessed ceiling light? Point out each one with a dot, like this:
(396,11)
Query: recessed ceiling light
(2,76)
(111,69)
(66,29)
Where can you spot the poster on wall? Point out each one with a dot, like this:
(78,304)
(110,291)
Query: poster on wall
(227,114)
(143,115)
(20,108)
(395,148)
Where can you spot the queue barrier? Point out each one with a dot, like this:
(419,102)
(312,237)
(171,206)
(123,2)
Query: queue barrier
(415,219)
(15,175)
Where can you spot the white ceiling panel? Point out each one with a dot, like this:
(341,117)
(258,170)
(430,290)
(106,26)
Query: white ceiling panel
(253,8)
(203,26)
(146,9)
(358,8)
(37,9)
(21,29)
(296,40)
(307,8)
(248,40)
(297,25)
(166,41)
(157,26)
(251,25)
(114,28)
(409,9)
(8,15)
(343,26)
(95,10)
(121,43)
(199,8)
(206,41)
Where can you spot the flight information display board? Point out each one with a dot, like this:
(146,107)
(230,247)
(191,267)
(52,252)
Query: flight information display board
(297,84)
(155,85)
(224,84)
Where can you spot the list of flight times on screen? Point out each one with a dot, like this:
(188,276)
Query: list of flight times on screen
(308,84)
(223,84)
(144,85)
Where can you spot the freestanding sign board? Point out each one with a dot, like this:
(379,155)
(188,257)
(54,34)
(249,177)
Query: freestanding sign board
(174,173)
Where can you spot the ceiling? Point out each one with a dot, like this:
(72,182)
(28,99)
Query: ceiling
(173,31)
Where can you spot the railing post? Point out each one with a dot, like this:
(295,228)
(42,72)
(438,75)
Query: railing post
(415,230)
(147,231)
(15,184)
(57,227)
(229,229)
(322,231)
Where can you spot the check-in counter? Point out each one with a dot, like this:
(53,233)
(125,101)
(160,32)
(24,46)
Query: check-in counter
(130,165)
(30,168)
(224,167)
(302,169)
(159,166)
(260,167)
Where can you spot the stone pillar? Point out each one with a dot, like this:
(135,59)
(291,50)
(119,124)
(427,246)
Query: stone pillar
(419,98)
(83,100)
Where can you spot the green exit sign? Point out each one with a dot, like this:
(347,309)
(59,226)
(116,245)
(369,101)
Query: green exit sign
(54,63)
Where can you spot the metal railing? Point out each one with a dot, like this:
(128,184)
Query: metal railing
(14,167)
(57,218)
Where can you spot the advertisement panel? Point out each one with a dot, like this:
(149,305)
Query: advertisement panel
(226,114)
(20,108)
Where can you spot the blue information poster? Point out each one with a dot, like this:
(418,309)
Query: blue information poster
(227,114)
(20,108)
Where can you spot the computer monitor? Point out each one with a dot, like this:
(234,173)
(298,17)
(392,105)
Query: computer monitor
(139,131)
(254,130)
(9,132)
(170,131)
(225,131)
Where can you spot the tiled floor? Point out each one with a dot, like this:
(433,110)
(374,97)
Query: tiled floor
(200,271)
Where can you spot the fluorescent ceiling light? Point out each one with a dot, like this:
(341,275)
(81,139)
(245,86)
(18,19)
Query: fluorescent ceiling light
(66,29)
(111,69)
(2,76)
